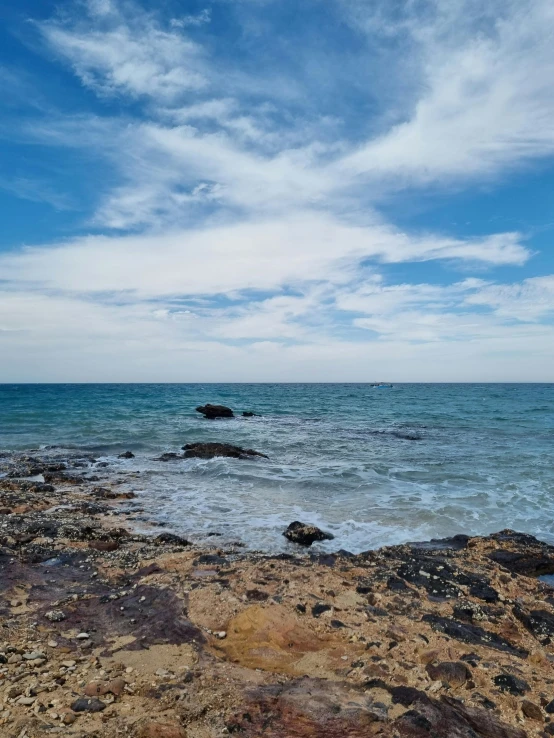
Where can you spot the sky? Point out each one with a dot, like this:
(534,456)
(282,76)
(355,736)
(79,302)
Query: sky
(276,190)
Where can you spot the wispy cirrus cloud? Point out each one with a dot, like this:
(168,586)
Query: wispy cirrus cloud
(236,221)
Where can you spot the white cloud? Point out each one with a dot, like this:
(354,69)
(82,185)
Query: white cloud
(128,53)
(258,247)
(486,101)
(265,254)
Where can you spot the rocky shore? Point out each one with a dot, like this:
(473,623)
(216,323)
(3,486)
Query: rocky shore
(107,632)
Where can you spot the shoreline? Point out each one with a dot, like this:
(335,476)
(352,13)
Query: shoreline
(108,632)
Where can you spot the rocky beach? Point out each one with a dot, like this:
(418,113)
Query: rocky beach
(106,631)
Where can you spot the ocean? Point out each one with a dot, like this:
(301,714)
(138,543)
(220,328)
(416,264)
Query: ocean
(374,466)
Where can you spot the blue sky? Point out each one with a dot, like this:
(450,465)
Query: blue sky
(265,190)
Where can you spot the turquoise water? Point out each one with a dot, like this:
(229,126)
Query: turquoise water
(338,455)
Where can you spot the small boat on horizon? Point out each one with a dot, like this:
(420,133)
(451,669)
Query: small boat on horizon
(381,385)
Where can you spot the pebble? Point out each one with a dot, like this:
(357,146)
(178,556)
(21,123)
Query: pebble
(55,616)
(33,655)
(88,704)
(83,636)
(222,634)
(69,663)
(25,701)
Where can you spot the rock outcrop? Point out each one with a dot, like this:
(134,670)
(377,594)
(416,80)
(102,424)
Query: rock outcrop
(211,450)
(306,534)
(212,412)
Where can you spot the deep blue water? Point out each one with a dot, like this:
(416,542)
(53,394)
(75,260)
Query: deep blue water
(338,455)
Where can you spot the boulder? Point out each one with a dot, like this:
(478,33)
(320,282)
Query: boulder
(210,450)
(248,414)
(306,534)
(126,455)
(454,673)
(211,412)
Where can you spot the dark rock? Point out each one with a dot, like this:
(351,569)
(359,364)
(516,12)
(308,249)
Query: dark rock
(447,718)
(469,611)
(483,591)
(211,559)
(211,412)
(247,414)
(256,595)
(172,539)
(454,673)
(103,493)
(396,585)
(473,634)
(337,624)
(306,534)
(531,710)
(319,609)
(126,455)
(550,707)
(455,543)
(531,557)
(538,622)
(168,457)
(511,684)
(88,704)
(211,450)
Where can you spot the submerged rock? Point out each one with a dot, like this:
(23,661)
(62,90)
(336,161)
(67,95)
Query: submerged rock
(210,450)
(211,412)
(126,455)
(306,534)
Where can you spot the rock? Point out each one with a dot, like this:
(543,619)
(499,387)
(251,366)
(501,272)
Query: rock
(511,684)
(550,707)
(161,730)
(211,412)
(67,717)
(96,689)
(211,450)
(319,609)
(247,414)
(26,701)
(55,616)
(126,455)
(305,534)
(104,545)
(472,634)
(116,686)
(82,636)
(32,655)
(171,538)
(88,704)
(168,457)
(538,622)
(454,673)
(530,710)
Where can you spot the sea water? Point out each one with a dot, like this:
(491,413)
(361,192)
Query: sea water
(373,466)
